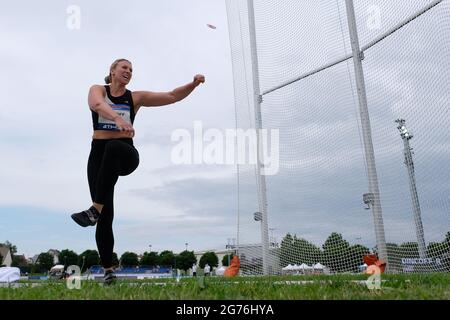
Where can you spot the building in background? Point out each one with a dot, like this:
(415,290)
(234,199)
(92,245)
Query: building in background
(6,258)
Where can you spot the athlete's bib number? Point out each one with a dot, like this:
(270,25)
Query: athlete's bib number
(122,110)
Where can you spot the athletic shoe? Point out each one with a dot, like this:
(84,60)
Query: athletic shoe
(87,217)
(109,278)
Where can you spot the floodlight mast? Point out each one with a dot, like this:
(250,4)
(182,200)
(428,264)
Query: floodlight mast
(406,136)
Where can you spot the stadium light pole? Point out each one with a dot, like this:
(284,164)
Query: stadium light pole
(272,238)
(358,56)
(257,99)
(406,136)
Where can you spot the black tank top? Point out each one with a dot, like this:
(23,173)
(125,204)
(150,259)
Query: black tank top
(122,105)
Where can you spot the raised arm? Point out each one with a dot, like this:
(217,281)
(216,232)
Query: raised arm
(157,99)
(97,103)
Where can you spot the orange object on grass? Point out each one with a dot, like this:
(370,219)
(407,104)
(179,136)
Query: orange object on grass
(372,259)
(233,269)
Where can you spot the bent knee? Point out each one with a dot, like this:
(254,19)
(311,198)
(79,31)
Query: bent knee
(131,166)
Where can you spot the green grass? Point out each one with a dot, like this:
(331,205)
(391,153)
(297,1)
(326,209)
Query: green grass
(397,287)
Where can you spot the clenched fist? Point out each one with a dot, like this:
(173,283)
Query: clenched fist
(199,78)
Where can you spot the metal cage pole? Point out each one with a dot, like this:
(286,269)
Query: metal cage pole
(358,56)
(257,98)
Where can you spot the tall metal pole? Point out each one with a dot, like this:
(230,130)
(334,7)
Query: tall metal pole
(406,136)
(258,126)
(367,134)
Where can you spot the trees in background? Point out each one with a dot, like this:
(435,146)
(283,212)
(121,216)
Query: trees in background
(209,258)
(338,255)
(226,260)
(68,258)
(185,260)
(149,259)
(88,259)
(44,262)
(167,259)
(129,259)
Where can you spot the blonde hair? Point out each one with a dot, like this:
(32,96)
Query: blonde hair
(113,66)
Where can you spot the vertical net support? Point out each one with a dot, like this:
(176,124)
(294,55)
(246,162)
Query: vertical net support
(358,56)
(257,100)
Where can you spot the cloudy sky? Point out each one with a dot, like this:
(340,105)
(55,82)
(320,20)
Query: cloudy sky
(49,65)
(46,129)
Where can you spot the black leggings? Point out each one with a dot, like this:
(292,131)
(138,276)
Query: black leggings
(109,159)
